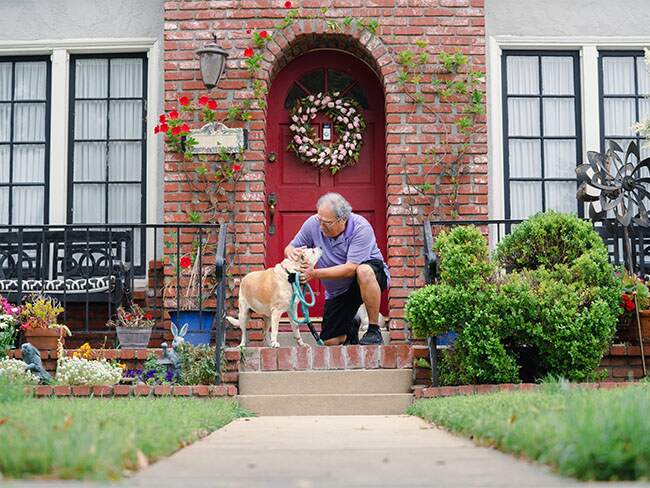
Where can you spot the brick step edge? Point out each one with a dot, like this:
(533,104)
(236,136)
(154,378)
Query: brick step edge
(98,353)
(447,391)
(202,391)
(296,358)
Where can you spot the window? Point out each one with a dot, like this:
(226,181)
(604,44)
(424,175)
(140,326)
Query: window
(542,145)
(24,140)
(623,85)
(107,158)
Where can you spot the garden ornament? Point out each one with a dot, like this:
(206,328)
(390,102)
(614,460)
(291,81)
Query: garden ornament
(170,359)
(179,337)
(32,358)
(616,187)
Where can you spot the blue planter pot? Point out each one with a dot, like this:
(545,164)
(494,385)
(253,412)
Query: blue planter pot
(199,323)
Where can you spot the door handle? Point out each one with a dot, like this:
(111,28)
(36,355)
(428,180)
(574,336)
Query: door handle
(272,201)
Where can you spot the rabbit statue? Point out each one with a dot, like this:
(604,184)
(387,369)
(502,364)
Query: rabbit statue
(179,336)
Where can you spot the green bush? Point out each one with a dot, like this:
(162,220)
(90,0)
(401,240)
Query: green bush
(547,239)
(197,364)
(554,314)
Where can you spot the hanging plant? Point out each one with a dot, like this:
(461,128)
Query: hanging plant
(347,118)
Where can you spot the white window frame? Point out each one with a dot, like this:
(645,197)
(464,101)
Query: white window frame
(59,52)
(587,48)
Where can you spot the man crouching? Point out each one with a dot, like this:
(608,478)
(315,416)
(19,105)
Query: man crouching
(351,268)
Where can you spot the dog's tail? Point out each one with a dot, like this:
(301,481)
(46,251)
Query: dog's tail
(233,321)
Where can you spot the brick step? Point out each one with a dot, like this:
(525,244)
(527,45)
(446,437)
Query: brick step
(362,381)
(286,339)
(296,358)
(327,404)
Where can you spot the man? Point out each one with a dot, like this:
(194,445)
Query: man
(351,268)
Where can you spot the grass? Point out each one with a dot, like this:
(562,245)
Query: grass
(586,434)
(100,439)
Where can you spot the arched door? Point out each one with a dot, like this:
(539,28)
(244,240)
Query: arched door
(295,186)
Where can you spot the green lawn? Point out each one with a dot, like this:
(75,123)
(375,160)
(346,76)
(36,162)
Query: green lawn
(587,434)
(100,439)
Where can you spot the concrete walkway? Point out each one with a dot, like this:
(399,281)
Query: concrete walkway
(339,451)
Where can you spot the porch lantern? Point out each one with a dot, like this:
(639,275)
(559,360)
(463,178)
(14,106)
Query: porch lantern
(213,63)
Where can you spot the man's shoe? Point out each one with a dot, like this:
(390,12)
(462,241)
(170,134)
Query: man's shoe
(372,337)
(353,335)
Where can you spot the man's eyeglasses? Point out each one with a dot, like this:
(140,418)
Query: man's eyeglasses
(325,223)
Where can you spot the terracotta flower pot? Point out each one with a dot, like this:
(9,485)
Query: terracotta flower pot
(44,339)
(628,330)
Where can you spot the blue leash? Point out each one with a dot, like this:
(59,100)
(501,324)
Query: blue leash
(298,293)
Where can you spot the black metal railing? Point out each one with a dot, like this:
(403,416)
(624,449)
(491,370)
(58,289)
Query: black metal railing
(94,268)
(495,230)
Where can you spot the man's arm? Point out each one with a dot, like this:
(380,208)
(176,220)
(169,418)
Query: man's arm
(347,270)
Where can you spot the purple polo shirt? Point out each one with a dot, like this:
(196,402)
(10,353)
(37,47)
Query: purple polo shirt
(355,244)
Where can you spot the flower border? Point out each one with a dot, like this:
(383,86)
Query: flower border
(348,121)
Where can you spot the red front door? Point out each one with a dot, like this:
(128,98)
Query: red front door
(295,186)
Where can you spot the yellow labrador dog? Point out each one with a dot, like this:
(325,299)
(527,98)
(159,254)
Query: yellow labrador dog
(269,293)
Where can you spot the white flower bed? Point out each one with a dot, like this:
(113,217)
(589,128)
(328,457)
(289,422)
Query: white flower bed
(16,371)
(79,371)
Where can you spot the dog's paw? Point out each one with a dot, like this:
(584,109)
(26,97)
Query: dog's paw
(275,344)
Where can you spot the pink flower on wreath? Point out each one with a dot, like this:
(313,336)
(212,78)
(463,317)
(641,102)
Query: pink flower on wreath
(298,139)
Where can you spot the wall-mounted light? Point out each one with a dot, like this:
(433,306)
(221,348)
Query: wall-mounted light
(213,62)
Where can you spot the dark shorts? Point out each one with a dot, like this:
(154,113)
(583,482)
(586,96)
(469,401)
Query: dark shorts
(340,310)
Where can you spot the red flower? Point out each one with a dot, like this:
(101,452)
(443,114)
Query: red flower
(164,127)
(212,105)
(148,316)
(248,52)
(264,34)
(629,306)
(287,4)
(163,119)
(248,31)
(236,167)
(203,100)
(184,101)
(156,130)
(173,114)
(186,262)
(185,128)
(176,131)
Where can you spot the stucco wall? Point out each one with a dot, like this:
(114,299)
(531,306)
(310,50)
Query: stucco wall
(567,17)
(77,19)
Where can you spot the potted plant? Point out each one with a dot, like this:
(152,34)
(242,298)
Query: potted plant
(188,291)
(9,324)
(133,327)
(635,294)
(38,317)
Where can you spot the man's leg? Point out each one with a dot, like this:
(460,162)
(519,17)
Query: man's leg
(371,294)
(338,314)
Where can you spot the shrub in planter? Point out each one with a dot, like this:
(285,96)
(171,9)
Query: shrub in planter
(38,317)
(559,306)
(197,364)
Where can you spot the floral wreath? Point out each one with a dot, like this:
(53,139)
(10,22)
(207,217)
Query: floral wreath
(346,115)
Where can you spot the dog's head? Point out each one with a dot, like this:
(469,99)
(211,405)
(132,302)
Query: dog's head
(311,255)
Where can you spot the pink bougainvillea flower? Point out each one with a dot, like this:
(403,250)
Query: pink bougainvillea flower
(264,34)
(203,100)
(176,131)
(236,167)
(212,105)
(173,114)
(164,127)
(184,101)
(185,128)
(287,4)
(248,52)
(186,262)
(163,119)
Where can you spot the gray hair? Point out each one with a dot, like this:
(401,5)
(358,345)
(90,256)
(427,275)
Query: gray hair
(340,205)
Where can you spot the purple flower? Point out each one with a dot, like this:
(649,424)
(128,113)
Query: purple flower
(169,376)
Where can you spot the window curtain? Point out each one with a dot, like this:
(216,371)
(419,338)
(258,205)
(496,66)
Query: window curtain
(22,163)
(531,120)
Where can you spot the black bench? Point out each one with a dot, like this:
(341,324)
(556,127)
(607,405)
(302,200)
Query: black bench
(70,264)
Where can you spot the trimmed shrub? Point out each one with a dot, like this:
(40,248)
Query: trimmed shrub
(554,314)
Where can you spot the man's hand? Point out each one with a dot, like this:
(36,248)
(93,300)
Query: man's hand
(294,253)
(307,273)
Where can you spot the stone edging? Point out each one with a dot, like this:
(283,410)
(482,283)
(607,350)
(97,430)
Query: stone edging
(446,391)
(211,391)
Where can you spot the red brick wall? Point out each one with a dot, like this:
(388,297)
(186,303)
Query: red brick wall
(446,25)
